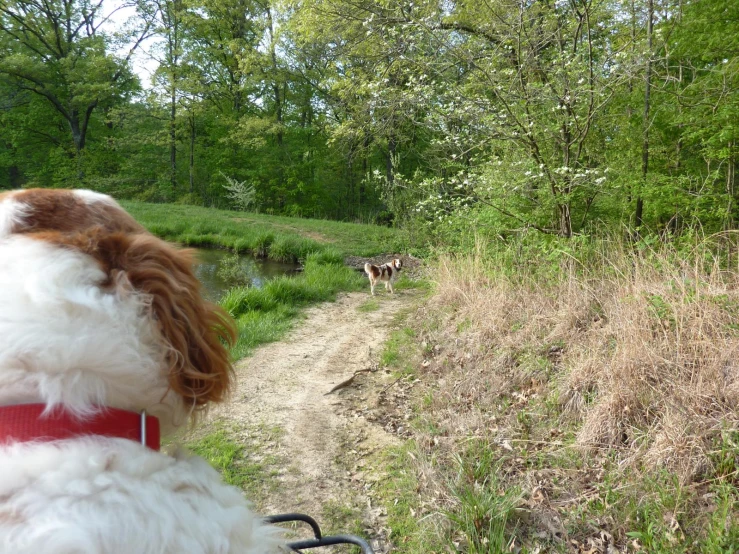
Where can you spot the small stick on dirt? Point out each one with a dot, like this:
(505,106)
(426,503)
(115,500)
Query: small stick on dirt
(349,381)
(390,385)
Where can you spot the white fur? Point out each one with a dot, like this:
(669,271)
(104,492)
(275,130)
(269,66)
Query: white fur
(11,212)
(114,496)
(92,197)
(63,340)
(66,340)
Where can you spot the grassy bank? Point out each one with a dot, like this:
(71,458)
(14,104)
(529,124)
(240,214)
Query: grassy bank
(571,406)
(266,314)
(275,237)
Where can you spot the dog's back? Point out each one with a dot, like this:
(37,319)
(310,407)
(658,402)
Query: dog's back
(373,271)
(103,495)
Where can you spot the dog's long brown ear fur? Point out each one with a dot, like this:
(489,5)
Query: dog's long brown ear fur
(198,331)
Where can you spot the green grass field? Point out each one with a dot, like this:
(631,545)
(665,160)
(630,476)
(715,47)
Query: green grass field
(276,237)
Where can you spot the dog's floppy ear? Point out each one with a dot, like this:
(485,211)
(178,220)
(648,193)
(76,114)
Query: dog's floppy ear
(198,333)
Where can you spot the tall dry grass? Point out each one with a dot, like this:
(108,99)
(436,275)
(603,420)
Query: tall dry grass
(640,348)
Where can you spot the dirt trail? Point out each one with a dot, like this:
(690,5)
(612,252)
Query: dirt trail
(323,437)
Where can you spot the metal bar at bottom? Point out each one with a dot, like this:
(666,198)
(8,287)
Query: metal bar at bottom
(328,541)
(285,518)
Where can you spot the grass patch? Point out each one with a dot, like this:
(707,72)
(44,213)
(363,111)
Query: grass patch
(339,519)
(238,454)
(280,238)
(412,530)
(370,305)
(258,327)
(291,248)
(398,348)
(406,283)
(481,506)
(578,407)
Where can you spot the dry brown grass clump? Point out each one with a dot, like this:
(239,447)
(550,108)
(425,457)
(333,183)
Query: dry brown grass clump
(642,349)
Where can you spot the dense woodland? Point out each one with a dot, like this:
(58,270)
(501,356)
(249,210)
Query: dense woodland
(564,116)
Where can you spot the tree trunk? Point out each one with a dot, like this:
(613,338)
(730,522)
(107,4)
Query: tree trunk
(275,83)
(639,212)
(278,113)
(78,125)
(365,171)
(77,137)
(237,100)
(389,160)
(192,153)
(730,190)
(171,18)
(173,134)
(14,177)
(565,220)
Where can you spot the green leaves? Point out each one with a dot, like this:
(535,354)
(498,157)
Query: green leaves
(57,51)
(435,117)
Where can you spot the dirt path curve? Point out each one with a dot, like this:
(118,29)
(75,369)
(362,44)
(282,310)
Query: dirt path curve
(322,438)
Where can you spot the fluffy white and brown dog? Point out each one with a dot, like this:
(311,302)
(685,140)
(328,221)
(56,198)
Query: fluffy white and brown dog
(386,273)
(99,322)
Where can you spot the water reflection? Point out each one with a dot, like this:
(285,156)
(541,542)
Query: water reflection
(255,271)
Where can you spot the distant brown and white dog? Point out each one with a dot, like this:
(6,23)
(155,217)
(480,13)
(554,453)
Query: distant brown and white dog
(386,273)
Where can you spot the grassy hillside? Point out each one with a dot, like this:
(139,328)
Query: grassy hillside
(279,238)
(571,405)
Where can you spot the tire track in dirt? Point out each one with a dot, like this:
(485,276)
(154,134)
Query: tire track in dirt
(284,384)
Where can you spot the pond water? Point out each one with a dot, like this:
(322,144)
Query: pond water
(256,271)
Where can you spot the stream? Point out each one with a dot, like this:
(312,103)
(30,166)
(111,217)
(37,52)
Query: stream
(256,271)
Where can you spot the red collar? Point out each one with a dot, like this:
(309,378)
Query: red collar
(28,422)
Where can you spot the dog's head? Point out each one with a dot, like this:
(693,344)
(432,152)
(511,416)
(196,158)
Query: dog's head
(397,264)
(97,311)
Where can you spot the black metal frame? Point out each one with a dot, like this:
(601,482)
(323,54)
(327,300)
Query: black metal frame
(319,539)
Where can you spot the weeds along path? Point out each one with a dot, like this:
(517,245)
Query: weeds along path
(317,439)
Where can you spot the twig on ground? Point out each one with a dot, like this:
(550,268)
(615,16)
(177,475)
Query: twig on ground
(349,381)
(374,366)
(390,385)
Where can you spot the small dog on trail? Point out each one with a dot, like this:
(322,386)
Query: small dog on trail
(386,272)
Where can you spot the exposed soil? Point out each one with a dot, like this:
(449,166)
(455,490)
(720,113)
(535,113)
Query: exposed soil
(324,437)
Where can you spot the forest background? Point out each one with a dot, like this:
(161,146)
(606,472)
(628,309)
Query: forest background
(564,116)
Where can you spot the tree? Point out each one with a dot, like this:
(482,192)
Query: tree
(527,81)
(171,28)
(703,61)
(58,50)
